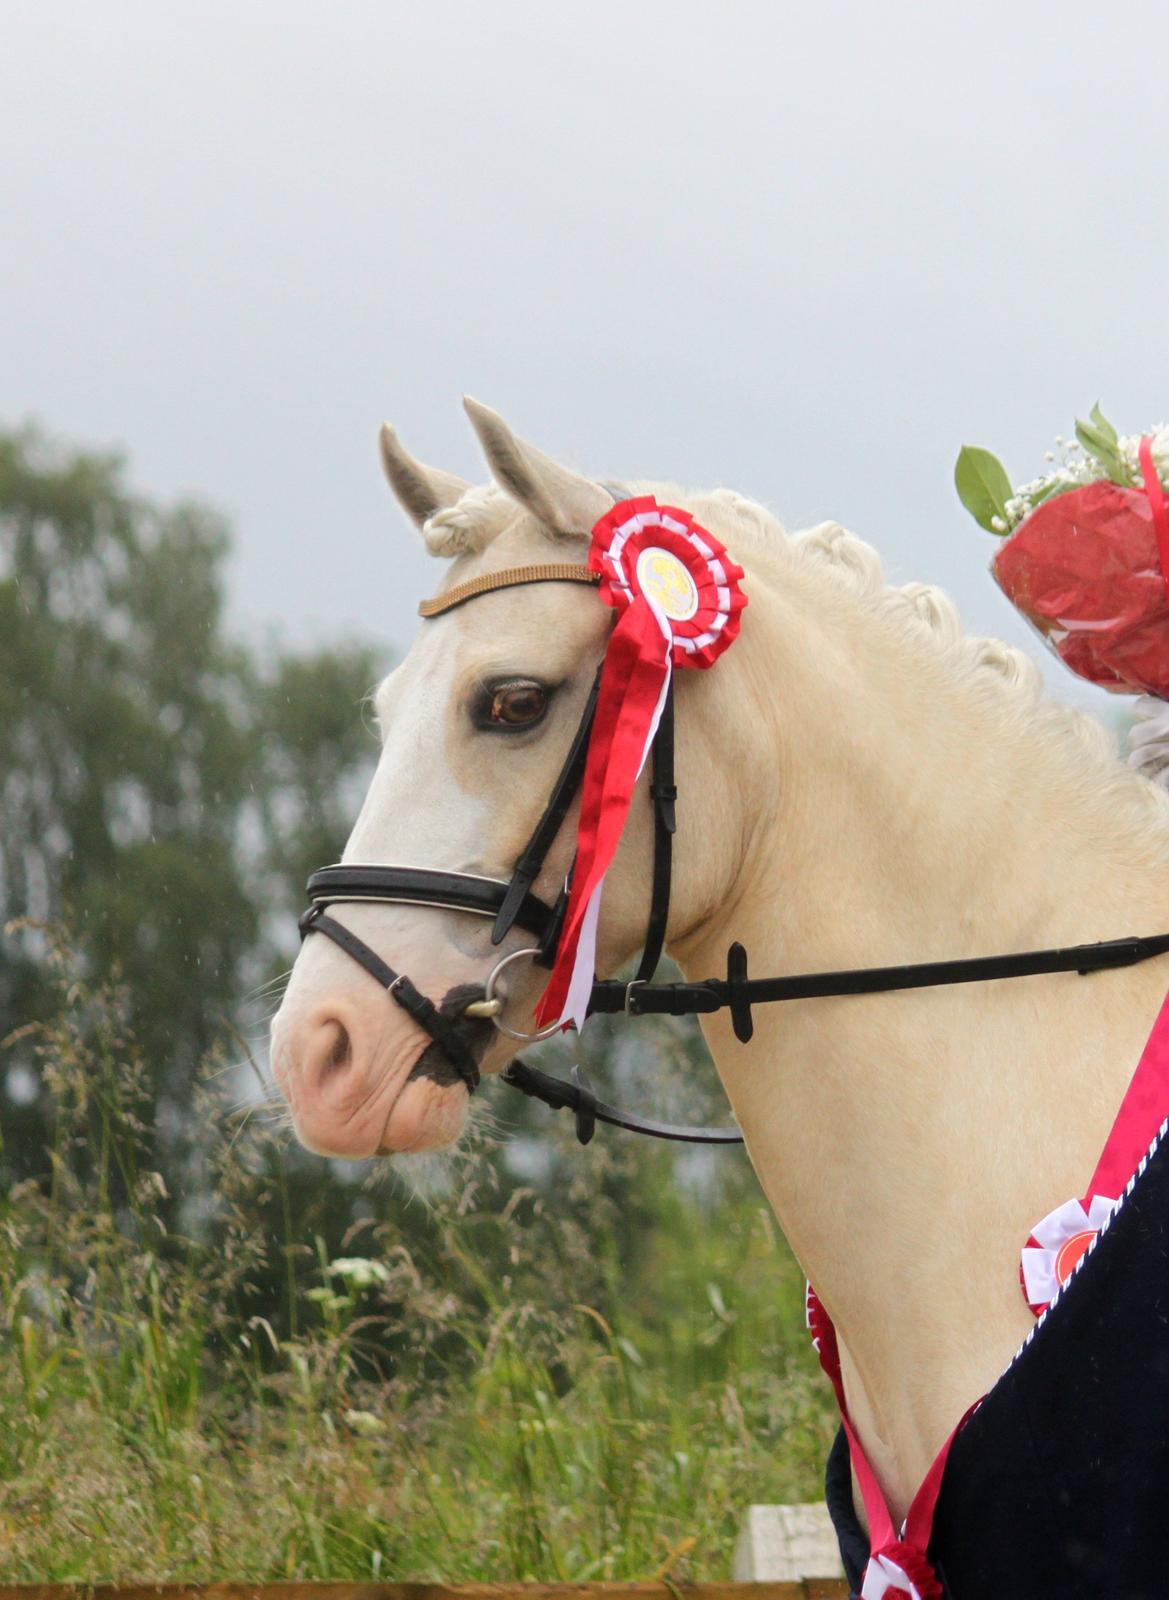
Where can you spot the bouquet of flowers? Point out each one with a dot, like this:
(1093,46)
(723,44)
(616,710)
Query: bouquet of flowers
(1085,552)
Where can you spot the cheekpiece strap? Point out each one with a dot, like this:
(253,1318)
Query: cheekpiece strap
(508,578)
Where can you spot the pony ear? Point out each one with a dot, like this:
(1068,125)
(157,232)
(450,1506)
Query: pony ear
(419,490)
(564,501)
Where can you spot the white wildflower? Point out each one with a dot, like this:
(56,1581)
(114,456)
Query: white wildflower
(329,1300)
(363,1422)
(363,1274)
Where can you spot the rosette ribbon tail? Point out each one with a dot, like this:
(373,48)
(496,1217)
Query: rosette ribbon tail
(1157,505)
(634,683)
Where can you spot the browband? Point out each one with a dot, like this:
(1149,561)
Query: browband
(507,578)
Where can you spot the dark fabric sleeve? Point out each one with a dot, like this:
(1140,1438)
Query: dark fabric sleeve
(1058,1486)
(850,1536)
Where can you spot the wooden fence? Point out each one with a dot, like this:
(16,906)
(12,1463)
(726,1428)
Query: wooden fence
(802,1589)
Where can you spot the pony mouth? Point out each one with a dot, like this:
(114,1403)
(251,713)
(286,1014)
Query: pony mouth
(423,1114)
(476,1032)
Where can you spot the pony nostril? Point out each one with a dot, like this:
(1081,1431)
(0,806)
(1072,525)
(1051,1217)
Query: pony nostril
(339,1053)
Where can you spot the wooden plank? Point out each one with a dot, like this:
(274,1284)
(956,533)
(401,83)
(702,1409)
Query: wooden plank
(808,1589)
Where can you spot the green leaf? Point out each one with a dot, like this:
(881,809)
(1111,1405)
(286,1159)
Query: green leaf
(1104,426)
(1094,442)
(1099,439)
(983,486)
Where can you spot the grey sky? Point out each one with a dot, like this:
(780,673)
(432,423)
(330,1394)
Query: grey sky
(804,250)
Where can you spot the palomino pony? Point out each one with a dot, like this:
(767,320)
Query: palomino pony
(860,784)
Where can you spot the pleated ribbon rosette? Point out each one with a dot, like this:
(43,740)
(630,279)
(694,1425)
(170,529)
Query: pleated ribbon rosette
(677,595)
(1055,1246)
(886,1577)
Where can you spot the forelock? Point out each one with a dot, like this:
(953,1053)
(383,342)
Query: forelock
(478,516)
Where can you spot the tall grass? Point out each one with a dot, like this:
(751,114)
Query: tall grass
(500,1383)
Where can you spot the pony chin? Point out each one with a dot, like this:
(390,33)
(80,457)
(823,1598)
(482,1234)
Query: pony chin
(425,1116)
(406,1114)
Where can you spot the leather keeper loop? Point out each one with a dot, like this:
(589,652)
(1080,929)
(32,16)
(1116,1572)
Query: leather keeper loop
(585,1109)
(738,997)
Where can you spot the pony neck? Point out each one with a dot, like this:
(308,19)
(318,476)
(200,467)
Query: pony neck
(907,1142)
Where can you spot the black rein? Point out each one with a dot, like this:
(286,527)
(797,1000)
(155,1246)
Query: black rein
(513,904)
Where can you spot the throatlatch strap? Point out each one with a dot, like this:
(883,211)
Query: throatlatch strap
(424,1011)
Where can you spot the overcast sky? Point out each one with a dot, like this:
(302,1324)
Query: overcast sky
(803,250)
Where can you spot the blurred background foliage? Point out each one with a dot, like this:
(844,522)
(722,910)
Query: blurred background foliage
(164,788)
(524,1359)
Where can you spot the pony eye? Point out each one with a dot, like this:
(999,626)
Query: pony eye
(514,705)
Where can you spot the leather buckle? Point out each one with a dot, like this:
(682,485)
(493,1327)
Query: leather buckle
(636,983)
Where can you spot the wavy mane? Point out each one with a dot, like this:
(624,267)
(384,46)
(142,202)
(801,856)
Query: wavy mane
(999,674)
(916,614)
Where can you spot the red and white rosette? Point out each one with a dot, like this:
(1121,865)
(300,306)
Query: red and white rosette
(677,594)
(886,1576)
(1056,1246)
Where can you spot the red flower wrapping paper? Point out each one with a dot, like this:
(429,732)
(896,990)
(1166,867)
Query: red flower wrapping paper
(1084,568)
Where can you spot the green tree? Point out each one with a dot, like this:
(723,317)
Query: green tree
(161,790)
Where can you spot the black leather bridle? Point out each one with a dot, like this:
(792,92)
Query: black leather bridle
(511,903)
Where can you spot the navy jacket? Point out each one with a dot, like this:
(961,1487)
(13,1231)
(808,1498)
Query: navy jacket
(1058,1486)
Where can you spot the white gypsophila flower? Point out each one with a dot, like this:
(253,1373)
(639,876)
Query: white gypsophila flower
(1075,467)
(1130,447)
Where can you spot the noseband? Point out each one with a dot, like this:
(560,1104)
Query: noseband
(511,903)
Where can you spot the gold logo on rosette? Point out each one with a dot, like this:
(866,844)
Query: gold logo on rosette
(666,579)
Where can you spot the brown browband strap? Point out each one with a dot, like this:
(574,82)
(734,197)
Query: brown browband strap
(507,578)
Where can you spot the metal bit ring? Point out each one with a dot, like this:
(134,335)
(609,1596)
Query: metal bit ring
(489,995)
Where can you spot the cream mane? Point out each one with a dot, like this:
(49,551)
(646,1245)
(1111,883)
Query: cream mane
(1001,676)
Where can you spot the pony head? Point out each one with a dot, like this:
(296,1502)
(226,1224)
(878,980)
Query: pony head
(475,725)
